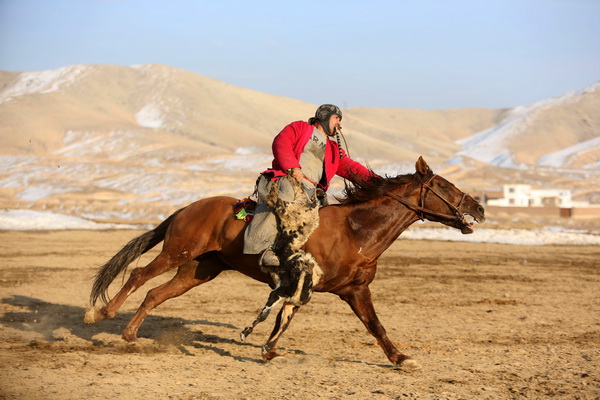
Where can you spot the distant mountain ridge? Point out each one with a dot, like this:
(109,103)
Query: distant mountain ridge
(86,138)
(217,117)
(212,116)
(563,131)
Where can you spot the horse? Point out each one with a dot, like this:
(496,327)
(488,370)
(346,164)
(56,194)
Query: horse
(204,238)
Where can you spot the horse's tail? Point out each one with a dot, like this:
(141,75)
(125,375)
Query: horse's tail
(120,261)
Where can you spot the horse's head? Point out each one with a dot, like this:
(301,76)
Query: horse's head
(441,201)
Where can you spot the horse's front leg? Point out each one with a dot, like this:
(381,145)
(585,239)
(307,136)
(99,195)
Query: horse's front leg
(362,305)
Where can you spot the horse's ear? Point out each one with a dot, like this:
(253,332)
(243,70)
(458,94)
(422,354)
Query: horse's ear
(422,167)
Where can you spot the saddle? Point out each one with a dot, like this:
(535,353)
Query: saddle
(244,209)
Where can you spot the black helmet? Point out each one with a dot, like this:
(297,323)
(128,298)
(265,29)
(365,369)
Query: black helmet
(323,114)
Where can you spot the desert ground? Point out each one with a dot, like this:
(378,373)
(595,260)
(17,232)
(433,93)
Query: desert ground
(486,321)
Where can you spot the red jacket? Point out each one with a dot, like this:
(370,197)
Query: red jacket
(289,144)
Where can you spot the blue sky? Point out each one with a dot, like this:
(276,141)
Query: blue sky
(428,54)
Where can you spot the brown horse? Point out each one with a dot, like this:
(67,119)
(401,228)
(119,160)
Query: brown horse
(204,239)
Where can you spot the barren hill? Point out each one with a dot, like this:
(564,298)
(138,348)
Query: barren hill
(179,108)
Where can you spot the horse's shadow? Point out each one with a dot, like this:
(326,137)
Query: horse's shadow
(50,320)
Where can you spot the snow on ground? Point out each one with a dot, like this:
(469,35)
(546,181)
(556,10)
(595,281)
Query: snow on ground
(24,220)
(538,236)
(234,163)
(43,220)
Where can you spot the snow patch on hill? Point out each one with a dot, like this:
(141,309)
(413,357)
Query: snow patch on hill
(150,116)
(561,157)
(40,82)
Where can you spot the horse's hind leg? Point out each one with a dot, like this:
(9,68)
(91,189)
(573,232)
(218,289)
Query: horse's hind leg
(284,318)
(162,263)
(189,275)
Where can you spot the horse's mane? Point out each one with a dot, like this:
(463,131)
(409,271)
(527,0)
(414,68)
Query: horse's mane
(377,186)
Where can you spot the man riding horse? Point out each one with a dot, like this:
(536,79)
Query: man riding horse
(204,239)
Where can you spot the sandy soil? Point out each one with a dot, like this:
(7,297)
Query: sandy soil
(486,322)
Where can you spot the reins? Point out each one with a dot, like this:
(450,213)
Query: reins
(420,208)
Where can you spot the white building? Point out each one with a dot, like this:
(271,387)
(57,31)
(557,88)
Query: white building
(519,195)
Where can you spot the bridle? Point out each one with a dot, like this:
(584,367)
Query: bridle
(420,208)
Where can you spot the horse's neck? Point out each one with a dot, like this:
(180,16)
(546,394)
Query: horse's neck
(377,223)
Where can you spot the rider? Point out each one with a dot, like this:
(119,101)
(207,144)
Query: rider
(306,152)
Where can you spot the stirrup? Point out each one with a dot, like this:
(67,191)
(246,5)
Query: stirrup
(268,259)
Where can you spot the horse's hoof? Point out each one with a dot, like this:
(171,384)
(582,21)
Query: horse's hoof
(93,315)
(271,355)
(129,336)
(244,334)
(279,359)
(274,357)
(409,365)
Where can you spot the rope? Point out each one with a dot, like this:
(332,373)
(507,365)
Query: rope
(339,132)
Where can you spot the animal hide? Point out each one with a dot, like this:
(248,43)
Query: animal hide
(298,272)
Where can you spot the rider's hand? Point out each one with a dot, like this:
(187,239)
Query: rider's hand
(297,174)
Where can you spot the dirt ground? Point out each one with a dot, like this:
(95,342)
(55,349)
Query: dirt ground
(486,321)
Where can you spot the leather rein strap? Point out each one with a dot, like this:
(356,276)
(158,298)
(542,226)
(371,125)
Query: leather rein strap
(421,207)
